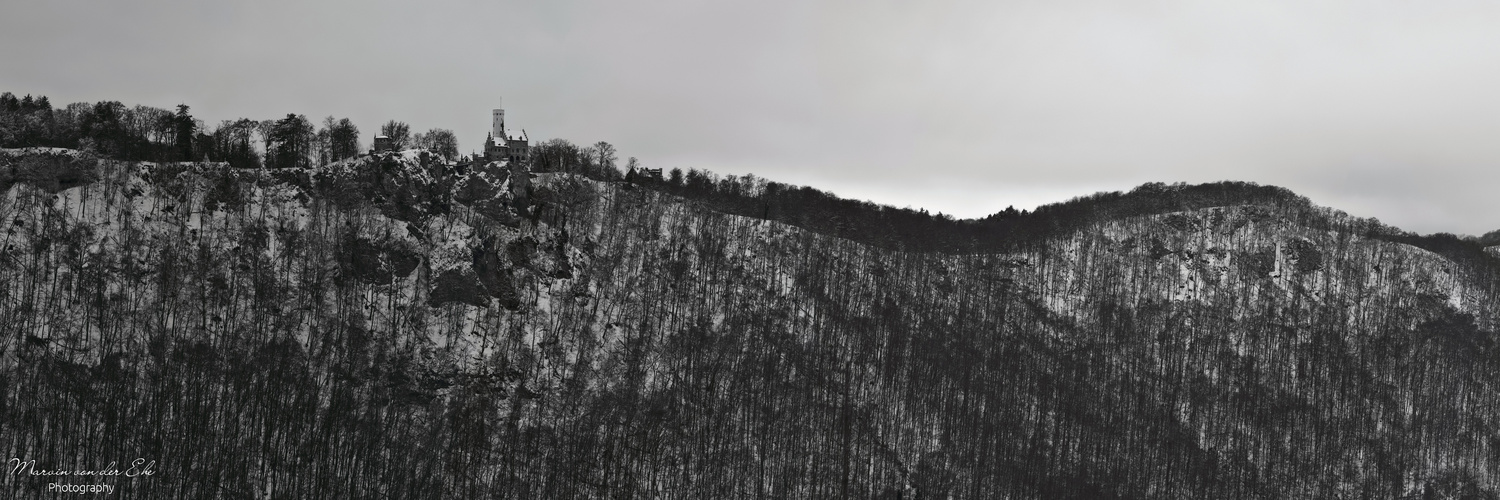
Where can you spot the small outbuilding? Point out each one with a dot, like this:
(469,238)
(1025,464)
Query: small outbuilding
(383,144)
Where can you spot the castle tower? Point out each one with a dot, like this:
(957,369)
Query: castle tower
(495,146)
(504,145)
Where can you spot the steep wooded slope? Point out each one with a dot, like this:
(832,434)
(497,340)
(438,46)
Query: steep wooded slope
(380,328)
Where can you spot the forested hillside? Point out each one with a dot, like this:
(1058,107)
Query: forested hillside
(382,327)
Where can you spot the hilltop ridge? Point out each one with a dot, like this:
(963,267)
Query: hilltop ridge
(520,334)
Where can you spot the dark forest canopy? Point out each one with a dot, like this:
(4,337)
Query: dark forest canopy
(920,231)
(111,129)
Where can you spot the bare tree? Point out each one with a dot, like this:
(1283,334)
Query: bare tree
(605,154)
(340,137)
(399,132)
(440,141)
(266,129)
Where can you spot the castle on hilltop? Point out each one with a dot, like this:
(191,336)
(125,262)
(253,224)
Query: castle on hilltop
(505,145)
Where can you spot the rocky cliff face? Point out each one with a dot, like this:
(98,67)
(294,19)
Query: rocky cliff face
(384,328)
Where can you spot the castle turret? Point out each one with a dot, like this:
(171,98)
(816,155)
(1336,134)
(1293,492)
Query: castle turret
(497,122)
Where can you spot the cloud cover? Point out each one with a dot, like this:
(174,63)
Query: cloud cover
(1380,108)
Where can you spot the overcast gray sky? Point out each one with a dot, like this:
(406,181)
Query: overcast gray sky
(1380,108)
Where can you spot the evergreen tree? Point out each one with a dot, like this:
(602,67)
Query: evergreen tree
(184,128)
(292,138)
(343,140)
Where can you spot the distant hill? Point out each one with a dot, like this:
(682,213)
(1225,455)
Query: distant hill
(384,328)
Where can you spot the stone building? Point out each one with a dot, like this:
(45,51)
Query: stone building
(504,144)
(383,144)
